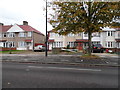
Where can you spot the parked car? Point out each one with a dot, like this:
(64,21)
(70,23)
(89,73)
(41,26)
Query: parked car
(97,48)
(39,48)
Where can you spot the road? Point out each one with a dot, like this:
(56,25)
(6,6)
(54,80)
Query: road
(31,75)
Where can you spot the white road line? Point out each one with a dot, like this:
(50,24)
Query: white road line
(65,68)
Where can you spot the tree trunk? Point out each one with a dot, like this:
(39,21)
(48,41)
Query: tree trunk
(89,28)
(89,42)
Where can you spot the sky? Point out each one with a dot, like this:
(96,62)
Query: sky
(17,11)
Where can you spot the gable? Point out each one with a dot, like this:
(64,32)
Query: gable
(15,28)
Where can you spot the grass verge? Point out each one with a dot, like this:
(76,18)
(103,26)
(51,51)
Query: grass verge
(90,57)
(12,52)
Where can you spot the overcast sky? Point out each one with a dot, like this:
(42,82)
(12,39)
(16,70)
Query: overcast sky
(17,11)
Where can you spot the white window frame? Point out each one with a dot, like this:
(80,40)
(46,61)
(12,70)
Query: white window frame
(79,34)
(0,35)
(85,34)
(118,44)
(22,34)
(11,43)
(21,44)
(11,34)
(110,44)
(95,42)
(110,33)
(58,44)
(118,34)
(71,44)
(96,34)
(29,34)
(5,35)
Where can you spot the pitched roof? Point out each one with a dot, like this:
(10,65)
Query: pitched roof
(5,28)
(29,28)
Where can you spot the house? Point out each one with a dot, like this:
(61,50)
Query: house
(20,37)
(59,41)
(108,37)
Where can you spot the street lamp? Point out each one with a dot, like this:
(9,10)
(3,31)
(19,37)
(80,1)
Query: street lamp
(46,32)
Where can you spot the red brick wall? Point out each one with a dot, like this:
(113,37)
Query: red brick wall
(6,49)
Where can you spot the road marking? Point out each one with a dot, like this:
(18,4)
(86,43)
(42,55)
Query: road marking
(65,68)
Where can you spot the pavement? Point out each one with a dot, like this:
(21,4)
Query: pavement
(106,59)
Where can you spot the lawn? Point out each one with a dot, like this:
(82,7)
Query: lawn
(12,51)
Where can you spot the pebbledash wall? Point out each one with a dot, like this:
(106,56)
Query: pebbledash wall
(109,38)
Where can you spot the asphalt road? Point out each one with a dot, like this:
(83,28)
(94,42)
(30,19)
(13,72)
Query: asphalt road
(30,75)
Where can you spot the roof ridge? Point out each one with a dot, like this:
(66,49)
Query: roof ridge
(25,27)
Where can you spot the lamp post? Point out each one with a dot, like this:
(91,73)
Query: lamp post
(46,33)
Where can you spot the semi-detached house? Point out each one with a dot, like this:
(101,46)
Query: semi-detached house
(109,38)
(20,37)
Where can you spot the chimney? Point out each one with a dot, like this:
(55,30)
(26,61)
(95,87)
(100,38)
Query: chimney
(1,24)
(25,23)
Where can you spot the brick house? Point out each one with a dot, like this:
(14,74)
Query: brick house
(20,37)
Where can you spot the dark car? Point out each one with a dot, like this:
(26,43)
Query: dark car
(97,48)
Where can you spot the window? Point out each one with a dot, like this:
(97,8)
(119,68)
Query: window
(110,44)
(29,34)
(72,44)
(97,34)
(51,34)
(21,44)
(118,44)
(22,34)
(4,44)
(71,35)
(58,44)
(4,34)
(0,35)
(85,35)
(56,35)
(79,34)
(10,44)
(96,42)
(110,33)
(118,34)
(11,34)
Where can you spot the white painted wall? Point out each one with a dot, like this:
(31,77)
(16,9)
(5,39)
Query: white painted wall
(1,44)
(15,28)
(21,48)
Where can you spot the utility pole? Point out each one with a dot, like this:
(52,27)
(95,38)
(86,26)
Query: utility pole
(46,32)
(33,40)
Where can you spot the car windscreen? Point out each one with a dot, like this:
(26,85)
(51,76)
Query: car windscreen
(98,45)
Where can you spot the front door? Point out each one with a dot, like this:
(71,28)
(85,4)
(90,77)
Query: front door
(80,46)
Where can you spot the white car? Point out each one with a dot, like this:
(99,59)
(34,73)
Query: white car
(39,48)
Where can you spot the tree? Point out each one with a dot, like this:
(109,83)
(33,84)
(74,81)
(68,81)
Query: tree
(88,17)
